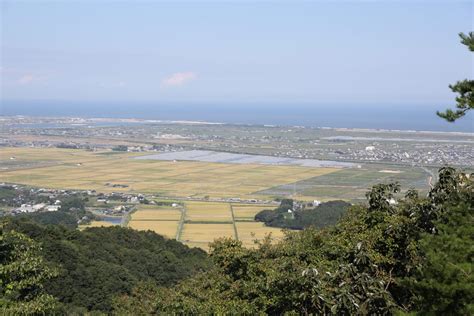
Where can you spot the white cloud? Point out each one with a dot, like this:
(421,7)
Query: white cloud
(178,79)
(26,79)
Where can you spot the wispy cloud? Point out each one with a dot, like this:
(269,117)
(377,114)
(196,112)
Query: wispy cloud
(178,79)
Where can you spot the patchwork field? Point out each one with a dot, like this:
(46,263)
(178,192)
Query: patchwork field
(78,169)
(206,221)
(352,184)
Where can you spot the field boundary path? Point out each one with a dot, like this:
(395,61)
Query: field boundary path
(236,234)
(179,231)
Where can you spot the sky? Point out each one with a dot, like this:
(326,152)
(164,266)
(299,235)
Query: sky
(347,52)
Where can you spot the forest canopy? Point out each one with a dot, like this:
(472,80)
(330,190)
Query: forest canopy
(97,264)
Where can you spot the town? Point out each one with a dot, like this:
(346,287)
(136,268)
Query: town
(379,146)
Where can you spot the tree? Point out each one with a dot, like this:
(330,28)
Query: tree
(444,283)
(465,89)
(22,276)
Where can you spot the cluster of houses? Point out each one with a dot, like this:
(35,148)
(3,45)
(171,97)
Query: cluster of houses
(106,198)
(28,208)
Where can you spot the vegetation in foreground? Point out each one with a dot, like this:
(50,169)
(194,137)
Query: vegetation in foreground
(90,267)
(383,258)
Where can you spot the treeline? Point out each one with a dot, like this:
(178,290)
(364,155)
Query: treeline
(95,265)
(325,214)
(413,257)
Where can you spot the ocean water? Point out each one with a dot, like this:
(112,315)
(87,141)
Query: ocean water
(421,117)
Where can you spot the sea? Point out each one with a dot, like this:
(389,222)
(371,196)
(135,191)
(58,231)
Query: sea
(391,116)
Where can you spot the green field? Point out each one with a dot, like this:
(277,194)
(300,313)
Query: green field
(351,184)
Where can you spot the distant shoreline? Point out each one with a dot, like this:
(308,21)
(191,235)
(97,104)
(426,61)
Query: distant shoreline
(83,120)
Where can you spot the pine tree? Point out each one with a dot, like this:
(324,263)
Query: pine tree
(465,89)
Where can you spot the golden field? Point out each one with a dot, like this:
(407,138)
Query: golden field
(248,212)
(208,212)
(153,213)
(205,233)
(165,228)
(79,169)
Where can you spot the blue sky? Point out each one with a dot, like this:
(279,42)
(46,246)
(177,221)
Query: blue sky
(343,52)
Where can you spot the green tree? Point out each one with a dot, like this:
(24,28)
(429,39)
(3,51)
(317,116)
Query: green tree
(444,283)
(465,89)
(22,276)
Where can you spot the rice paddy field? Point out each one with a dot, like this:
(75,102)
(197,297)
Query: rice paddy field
(165,228)
(196,223)
(243,212)
(161,220)
(78,169)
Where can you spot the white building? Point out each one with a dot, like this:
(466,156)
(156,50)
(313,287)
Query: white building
(52,208)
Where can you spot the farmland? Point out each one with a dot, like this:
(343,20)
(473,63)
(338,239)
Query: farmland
(205,189)
(162,220)
(199,223)
(76,169)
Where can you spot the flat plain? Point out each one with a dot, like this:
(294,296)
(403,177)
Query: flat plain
(203,221)
(78,169)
